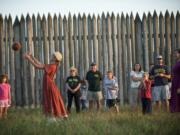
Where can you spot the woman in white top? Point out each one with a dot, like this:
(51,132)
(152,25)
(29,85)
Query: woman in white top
(136,77)
(111,90)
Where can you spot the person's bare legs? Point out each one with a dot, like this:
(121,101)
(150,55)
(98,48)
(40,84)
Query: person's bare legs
(166,105)
(5,112)
(90,105)
(1,112)
(158,105)
(98,105)
(117,108)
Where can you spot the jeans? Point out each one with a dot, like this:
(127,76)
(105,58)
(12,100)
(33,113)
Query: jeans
(83,103)
(76,96)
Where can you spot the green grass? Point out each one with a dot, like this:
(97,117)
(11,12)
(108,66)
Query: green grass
(32,122)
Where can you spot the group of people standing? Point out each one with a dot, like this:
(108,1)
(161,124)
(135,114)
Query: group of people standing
(147,85)
(150,85)
(156,86)
(90,88)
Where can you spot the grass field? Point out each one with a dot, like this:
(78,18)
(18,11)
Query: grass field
(32,122)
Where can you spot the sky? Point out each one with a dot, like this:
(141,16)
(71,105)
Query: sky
(64,7)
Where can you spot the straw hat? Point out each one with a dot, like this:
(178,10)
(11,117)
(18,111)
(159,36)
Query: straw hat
(159,57)
(58,56)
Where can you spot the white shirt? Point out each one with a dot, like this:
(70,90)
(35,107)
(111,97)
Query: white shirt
(108,84)
(135,84)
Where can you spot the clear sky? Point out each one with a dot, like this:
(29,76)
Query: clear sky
(18,7)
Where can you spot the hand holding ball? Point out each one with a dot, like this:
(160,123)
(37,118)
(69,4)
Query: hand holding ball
(16,46)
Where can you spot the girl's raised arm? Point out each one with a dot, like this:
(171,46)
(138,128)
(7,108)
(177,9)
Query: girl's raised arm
(34,61)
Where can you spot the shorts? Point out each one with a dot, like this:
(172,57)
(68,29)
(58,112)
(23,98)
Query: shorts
(94,95)
(4,103)
(111,102)
(160,93)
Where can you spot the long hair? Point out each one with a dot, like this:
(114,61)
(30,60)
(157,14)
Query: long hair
(135,65)
(3,76)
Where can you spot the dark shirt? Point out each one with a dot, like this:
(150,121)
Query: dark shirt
(73,81)
(94,79)
(157,69)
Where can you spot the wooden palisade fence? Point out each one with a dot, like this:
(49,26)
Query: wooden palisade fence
(113,42)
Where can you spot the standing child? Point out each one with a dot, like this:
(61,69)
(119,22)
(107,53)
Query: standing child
(5,96)
(145,90)
(83,94)
(111,91)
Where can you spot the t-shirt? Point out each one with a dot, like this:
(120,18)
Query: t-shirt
(73,81)
(146,90)
(94,79)
(135,84)
(110,93)
(4,91)
(157,69)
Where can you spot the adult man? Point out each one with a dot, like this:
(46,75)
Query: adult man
(94,78)
(161,92)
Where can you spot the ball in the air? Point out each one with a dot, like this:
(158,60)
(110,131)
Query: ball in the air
(16,46)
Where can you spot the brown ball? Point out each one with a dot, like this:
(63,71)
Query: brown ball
(16,46)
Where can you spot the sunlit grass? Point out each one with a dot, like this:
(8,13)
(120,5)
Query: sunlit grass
(32,122)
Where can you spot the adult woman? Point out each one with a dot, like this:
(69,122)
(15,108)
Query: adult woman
(73,84)
(175,90)
(52,103)
(136,77)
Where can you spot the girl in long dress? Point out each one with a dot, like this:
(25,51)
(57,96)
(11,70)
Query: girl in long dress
(175,90)
(52,103)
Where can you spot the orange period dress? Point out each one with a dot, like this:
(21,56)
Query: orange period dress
(52,102)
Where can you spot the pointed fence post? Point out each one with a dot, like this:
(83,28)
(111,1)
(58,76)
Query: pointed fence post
(18,88)
(145,44)
(124,57)
(155,33)
(95,42)
(172,36)
(161,36)
(71,45)
(167,40)
(104,45)
(99,36)
(132,36)
(150,39)
(24,63)
(109,43)
(30,67)
(11,61)
(2,48)
(114,44)
(85,44)
(120,67)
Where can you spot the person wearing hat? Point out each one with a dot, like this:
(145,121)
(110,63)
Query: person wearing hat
(52,102)
(73,84)
(94,78)
(161,76)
